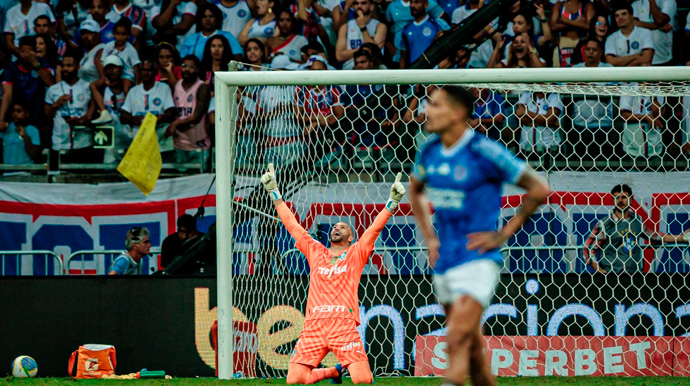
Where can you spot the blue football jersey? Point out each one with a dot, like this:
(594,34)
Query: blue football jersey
(418,37)
(464,184)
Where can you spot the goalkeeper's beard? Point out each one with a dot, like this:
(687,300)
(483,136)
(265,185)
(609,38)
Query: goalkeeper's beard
(337,238)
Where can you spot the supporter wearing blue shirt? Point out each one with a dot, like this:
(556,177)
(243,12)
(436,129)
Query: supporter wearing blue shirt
(488,115)
(420,33)
(461,174)
(209,20)
(398,13)
(20,141)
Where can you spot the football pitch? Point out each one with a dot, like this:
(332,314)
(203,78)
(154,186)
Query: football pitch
(398,381)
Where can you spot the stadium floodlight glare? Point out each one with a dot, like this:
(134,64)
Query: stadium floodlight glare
(235,169)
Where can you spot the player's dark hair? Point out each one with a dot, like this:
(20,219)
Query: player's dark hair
(619,5)
(188,221)
(461,96)
(622,188)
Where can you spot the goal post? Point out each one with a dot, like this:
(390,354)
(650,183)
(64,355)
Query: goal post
(314,180)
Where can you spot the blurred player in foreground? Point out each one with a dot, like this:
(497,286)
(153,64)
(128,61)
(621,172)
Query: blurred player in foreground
(461,173)
(332,314)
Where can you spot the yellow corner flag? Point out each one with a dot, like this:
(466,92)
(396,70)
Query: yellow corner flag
(142,162)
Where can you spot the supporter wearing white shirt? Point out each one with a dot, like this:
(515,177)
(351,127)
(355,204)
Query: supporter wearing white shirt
(67,103)
(236,14)
(643,124)
(363,29)
(658,16)
(124,50)
(592,113)
(175,20)
(539,116)
(630,45)
(150,97)
(19,21)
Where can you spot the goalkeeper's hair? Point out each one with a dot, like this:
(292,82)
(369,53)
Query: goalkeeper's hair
(461,96)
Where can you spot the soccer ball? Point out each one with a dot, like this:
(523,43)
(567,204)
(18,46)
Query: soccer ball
(24,366)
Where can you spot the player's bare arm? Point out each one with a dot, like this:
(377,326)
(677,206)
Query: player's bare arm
(537,191)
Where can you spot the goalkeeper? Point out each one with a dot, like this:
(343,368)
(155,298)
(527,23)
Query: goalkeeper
(332,313)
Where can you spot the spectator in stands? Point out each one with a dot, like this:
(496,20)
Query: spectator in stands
(25,81)
(208,23)
(176,243)
(263,26)
(150,97)
(418,35)
(570,20)
(46,50)
(287,42)
(255,55)
(42,26)
(138,246)
(415,114)
(19,22)
(644,122)
(308,14)
(630,45)
(539,116)
(373,128)
(20,140)
(464,11)
(399,14)
(592,115)
(342,13)
(318,106)
(521,54)
(67,103)
(376,55)
(521,24)
(70,14)
(98,12)
(363,29)
(236,14)
(121,48)
(658,17)
(90,67)
(174,20)
(488,114)
(189,130)
(169,70)
(313,48)
(137,17)
(217,55)
(615,238)
(109,95)
(599,30)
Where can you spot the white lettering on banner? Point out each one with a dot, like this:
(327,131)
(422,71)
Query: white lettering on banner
(639,349)
(500,359)
(328,308)
(333,270)
(584,362)
(246,342)
(613,360)
(528,363)
(555,363)
(440,359)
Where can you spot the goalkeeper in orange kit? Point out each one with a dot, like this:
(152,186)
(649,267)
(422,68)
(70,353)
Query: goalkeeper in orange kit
(332,313)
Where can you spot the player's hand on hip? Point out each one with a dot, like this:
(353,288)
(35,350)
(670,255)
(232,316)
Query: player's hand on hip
(397,193)
(270,183)
(432,247)
(485,241)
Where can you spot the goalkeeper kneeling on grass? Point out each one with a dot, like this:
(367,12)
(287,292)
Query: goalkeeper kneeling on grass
(332,314)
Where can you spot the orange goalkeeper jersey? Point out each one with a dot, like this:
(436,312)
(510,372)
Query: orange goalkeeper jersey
(334,279)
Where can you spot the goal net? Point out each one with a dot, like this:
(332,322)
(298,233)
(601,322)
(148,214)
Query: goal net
(338,138)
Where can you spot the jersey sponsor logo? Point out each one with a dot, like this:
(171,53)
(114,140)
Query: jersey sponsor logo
(351,346)
(328,272)
(184,111)
(444,169)
(355,43)
(446,198)
(328,308)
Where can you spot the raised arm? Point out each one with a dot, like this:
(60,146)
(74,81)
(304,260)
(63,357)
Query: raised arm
(286,217)
(374,230)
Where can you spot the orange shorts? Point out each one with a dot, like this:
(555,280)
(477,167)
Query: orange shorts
(320,336)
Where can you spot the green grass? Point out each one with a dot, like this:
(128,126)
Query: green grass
(542,381)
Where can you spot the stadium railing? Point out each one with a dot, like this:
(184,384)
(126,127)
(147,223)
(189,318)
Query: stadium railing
(95,267)
(18,263)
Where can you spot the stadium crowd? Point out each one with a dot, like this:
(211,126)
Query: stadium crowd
(69,66)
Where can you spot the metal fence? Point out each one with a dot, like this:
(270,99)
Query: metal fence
(99,262)
(18,266)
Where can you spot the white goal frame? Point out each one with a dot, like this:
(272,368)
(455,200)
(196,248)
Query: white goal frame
(226,84)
